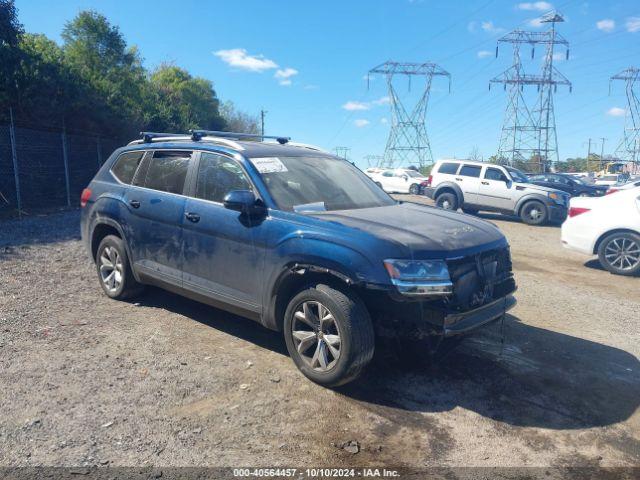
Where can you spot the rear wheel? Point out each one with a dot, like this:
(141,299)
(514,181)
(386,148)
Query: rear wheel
(114,270)
(534,213)
(329,334)
(447,201)
(414,189)
(620,253)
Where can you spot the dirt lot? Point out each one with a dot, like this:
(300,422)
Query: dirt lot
(165,381)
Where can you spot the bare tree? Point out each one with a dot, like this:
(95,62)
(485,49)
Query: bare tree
(474,155)
(238,121)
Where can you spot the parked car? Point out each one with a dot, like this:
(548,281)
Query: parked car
(574,186)
(295,238)
(399,180)
(610,180)
(608,227)
(624,186)
(475,186)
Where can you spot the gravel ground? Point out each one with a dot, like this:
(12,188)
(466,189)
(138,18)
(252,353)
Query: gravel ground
(165,381)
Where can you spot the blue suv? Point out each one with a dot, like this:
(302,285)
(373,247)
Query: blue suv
(297,239)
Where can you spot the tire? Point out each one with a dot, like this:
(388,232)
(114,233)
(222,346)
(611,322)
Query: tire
(447,201)
(350,323)
(534,212)
(609,252)
(112,251)
(470,211)
(414,189)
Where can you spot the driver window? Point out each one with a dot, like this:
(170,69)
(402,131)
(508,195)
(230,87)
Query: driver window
(217,176)
(495,174)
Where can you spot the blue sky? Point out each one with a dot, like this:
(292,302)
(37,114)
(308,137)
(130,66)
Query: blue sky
(305,62)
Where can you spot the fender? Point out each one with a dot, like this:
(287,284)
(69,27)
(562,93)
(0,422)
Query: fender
(530,196)
(313,257)
(451,186)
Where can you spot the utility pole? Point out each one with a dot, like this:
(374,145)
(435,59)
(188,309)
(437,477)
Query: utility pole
(408,142)
(262,114)
(343,152)
(589,156)
(602,153)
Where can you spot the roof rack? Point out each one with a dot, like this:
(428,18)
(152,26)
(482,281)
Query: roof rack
(198,134)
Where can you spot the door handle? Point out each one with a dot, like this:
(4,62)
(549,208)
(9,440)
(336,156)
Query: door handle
(192,217)
(134,203)
(485,183)
(458,179)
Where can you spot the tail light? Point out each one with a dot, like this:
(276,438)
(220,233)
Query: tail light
(429,179)
(612,190)
(84,198)
(575,211)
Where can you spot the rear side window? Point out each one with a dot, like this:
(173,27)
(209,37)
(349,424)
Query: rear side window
(167,171)
(470,171)
(450,168)
(126,165)
(217,176)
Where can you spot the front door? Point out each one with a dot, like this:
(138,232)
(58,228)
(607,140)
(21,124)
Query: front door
(223,249)
(495,190)
(156,206)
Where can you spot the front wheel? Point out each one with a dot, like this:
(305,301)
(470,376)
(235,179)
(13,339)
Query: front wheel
(534,213)
(620,253)
(447,201)
(414,189)
(329,334)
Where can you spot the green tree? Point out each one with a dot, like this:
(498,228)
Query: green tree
(180,102)
(10,31)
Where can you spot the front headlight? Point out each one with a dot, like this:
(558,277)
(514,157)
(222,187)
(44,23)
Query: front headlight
(420,277)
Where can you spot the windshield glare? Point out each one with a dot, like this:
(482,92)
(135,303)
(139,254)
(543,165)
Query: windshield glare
(312,184)
(517,175)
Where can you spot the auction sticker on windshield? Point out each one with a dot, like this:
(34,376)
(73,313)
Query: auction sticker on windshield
(269,165)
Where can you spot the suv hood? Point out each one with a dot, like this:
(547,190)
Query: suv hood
(423,231)
(539,188)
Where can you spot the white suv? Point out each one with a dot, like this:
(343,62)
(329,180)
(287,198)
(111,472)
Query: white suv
(475,186)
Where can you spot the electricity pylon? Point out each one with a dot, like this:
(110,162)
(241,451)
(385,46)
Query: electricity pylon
(374,160)
(629,147)
(408,142)
(342,152)
(530,133)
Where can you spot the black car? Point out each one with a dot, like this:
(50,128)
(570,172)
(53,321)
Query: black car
(574,186)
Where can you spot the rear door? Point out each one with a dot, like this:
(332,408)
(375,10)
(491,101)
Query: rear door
(495,189)
(156,205)
(468,178)
(223,249)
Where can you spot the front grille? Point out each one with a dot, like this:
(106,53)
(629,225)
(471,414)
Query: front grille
(480,279)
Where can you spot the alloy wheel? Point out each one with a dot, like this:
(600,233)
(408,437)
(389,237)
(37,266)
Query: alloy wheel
(111,270)
(622,253)
(316,335)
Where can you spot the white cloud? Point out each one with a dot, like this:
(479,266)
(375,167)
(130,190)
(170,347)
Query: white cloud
(535,22)
(606,25)
(352,106)
(472,26)
(239,58)
(381,101)
(284,75)
(485,54)
(384,121)
(490,27)
(361,122)
(310,87)
(539,6)
(616,112)
(633,24)
(559,56)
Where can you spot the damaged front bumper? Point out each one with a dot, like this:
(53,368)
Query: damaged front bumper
(465,322)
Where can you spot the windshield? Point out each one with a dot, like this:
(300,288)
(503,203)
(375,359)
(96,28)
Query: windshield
(517,175)
(579,180)
(413,173)
(311,184)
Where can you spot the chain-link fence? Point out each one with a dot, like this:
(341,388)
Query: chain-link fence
(41,170)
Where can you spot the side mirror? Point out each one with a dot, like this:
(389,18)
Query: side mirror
(243,201)
(406,178)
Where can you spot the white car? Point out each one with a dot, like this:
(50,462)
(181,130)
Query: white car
(606,226)
(400,180)
(624,186)
(608,180)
